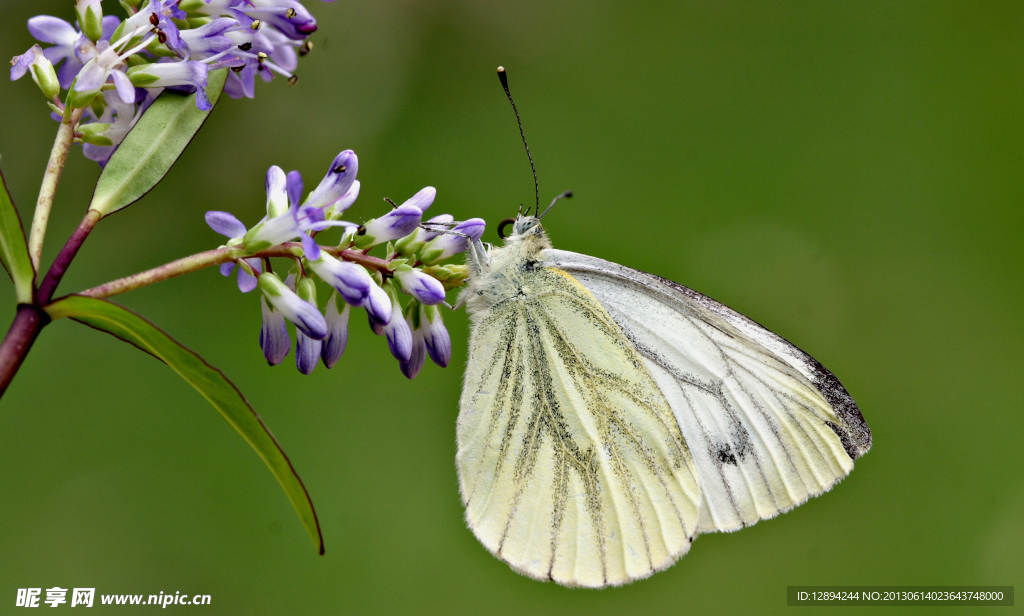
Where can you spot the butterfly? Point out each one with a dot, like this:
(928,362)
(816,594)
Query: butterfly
(609,416)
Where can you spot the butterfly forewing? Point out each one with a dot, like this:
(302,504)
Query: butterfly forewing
(767,425)
(571,462)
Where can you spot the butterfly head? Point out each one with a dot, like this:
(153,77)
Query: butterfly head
(521,225)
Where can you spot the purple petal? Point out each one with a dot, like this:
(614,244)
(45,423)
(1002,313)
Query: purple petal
(68,70)
(20,64)
(227,268)
(423,199)
(310,247)
(225,224)
(274,338)
(307,353)
(350,280)
(426,236)
(378,306)
(399,335)
(346,201)
(421,286)
(417,357)
(91,77)
(110,23)
(246,281)
(337,337)
(294,182)
(54,30)
(124,86)
(337,182)
(439,343)
(202,100)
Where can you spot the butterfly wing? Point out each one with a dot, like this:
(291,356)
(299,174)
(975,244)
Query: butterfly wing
(768,426)
(571,465)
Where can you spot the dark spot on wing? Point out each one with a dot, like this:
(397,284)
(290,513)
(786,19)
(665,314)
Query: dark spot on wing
(723,453)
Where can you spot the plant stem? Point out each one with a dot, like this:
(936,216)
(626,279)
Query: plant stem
(27,323)
(67,254)
(216,257)
(58,156)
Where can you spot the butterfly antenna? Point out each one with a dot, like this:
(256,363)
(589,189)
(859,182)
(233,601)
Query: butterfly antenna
(536,187)
(566,195)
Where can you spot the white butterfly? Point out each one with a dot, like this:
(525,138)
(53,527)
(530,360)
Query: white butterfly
(609,416)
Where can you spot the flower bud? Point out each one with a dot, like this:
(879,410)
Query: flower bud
(337,331)
(95,133)
(274,338)
(352,281)
(277,191)
(378,307)
(397,223)
(305,316)
(450,244)
(435,335)
(397,330)
(42,71)
(419,350)
(412,243)
(307,350)
(90,18)
(423,199)
(337,182)
(421,286)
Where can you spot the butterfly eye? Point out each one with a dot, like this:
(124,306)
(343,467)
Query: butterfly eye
(502,225)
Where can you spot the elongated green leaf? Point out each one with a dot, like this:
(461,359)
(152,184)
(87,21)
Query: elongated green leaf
(13,248)
(152,146)
(211,383)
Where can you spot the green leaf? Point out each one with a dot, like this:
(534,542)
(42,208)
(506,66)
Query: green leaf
(211,383)
(14,248)
(152,146)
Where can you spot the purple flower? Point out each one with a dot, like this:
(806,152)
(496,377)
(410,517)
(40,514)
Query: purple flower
(398,333)
(397,223)
(336,184)
(435,336)
(352,281)
(274,338)
(337,332)
(452,243)
(423,287)
(306,317)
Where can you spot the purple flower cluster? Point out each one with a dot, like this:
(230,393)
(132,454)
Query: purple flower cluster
(411,265)
(114,69)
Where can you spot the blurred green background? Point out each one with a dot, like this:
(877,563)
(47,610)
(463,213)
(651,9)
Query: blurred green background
(848,174)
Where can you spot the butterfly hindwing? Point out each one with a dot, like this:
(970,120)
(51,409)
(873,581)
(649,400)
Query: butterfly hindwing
(571,463)
(768,426)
